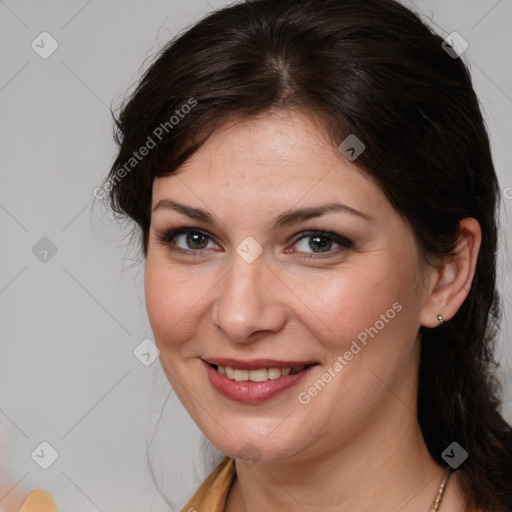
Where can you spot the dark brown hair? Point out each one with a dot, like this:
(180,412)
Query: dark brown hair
(370,68)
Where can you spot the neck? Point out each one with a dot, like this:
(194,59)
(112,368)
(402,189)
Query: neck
(385,466)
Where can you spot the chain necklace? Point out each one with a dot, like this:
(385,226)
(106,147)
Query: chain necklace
(437,502)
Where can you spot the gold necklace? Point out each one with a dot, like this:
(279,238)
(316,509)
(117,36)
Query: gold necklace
(437,502)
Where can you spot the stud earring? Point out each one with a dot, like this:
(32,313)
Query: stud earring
(441,319)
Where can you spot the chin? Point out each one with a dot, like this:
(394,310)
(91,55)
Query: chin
(255,445)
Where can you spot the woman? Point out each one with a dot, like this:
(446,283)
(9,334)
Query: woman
(317,205)
(321,191)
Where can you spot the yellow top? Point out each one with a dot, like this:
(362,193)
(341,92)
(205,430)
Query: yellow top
(210,497)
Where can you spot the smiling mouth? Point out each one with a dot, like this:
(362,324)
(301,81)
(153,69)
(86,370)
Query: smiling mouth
(260,374)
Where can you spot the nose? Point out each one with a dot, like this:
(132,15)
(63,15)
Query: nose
(248,301)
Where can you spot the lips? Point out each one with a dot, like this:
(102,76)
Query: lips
(257,380)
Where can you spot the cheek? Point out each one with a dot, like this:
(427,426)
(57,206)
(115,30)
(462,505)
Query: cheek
(368,329)
(172,302)
(340,308)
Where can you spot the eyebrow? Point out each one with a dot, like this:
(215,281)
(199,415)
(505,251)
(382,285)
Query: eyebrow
(283,220)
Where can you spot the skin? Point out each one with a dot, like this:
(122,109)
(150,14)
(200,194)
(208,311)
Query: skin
(356,445)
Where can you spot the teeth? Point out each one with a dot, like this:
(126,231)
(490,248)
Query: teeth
(275,373)
(260,375)
(241,375)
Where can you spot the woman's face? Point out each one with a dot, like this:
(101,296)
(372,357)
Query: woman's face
(254,286)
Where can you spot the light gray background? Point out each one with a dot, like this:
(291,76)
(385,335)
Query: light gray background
(69,326)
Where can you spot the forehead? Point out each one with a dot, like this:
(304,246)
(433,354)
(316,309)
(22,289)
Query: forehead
(282,150)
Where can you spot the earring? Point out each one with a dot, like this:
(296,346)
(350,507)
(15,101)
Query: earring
(441,319)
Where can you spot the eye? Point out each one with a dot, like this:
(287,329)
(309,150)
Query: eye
(191,239)
(321,242)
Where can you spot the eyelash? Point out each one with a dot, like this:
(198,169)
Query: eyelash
(167,237)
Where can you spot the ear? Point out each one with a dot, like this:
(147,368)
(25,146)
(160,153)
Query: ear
(450,284)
